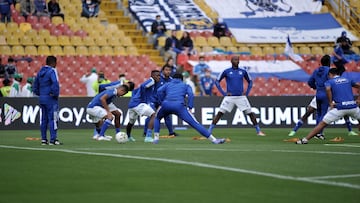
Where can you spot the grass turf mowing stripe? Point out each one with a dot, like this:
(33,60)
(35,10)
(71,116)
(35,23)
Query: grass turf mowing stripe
(271,175)
(335,176)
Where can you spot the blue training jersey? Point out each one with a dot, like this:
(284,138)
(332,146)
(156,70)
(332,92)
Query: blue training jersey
(207,84)
(175,91)
(234,81)
(143,94)
(342,95)
(318,79)
(111,85)
(96,101)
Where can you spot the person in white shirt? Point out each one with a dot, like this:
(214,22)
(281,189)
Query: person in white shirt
(88,80)
(15,90)
(188,81)
(26,90)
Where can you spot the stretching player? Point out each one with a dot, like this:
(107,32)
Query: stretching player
(235,95)
(172,96)
(341,101)
(139,105)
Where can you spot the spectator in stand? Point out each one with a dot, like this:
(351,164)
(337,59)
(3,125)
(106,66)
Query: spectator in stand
(26,90)
(10,68)
(346,47)
(186,43)
(54,9)
(90,8)
(170,63)
(5,89)
(172,46)
(15,90)
(5,10)
(339,59)
(41,8)
(158,29)
(188,81)
(220,29)
(200,68)
(2,69)
(207,83)
(101,80)
(89,79)
(27,8)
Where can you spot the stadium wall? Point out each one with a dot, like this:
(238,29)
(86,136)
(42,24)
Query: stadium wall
(272,112)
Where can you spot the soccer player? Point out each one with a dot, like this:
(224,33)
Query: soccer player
(101,107)
(172,96)
(139,105)
(341,101)
(46,86)
(312,109)
(235,95)
(164,78)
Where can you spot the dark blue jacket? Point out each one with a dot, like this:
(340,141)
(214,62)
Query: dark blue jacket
(46,85)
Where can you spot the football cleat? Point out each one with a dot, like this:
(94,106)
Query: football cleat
(352,133)
(44,142)
(291,133)
(319,136)
(301,141)
(261,134)
(103,138)
(219,141)
(55,142)
(148,139)
(131,139)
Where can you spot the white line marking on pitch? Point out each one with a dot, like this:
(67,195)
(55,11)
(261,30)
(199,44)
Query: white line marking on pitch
(342,145)
(335,176)
(203,165)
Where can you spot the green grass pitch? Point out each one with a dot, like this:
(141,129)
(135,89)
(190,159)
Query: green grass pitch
(247,169)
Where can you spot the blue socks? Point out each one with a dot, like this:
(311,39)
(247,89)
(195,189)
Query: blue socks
(211,127)
(348,124)
(298,125)
(257,128)
(117,130)
(105,126)
(149,133)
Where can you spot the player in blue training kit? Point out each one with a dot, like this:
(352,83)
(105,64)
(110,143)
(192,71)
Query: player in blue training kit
(140,105)
(172,97)
(341,101)
(235,95)
(102,109)
(46,86)
(164,78)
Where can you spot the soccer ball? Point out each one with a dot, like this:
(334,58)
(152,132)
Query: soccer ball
(121,137)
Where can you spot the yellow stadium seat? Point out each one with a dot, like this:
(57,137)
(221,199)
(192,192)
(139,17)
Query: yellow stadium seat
(268,50)
(70,21)
(5,50)
(12,40)
(88,41)
(126,41)
(18,33)
(31,50)
(304,50)
(87,27)
(132,50)
(25,40)
(213,41)
(328,50)
(82,50)
(107,50)
(114,41)
(52,40)
(69,50)
(24,27)
(31,33)
(98,27)
(101,41)
(355,49)
(256,51)
(64,40)
(76,41)
(2,40)
(317,50)
(2,27)
(94,50)
(244,49)
(12,26)
(94,33)
(56,50)
(119,50)
(18,50)
(161,41)
(44,32)
(110,27)
(82,21)
(226,41)
(94,21)
(232,49)
(39,40)
(200,41)
(56,20)
(207,49)
(279,50)
(44,50)
(179,34)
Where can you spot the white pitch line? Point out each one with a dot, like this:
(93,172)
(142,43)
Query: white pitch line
(318,152)
(342,145)
(198,164)
(335,176)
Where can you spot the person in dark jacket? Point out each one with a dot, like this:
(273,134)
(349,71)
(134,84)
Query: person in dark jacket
(46,86)
(5,10)
(54,9)
(158,29)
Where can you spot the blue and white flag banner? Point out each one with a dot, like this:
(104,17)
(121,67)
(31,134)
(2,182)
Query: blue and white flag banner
(285,69)
(261,9)
(177,14)
(301,28)
(289,51)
